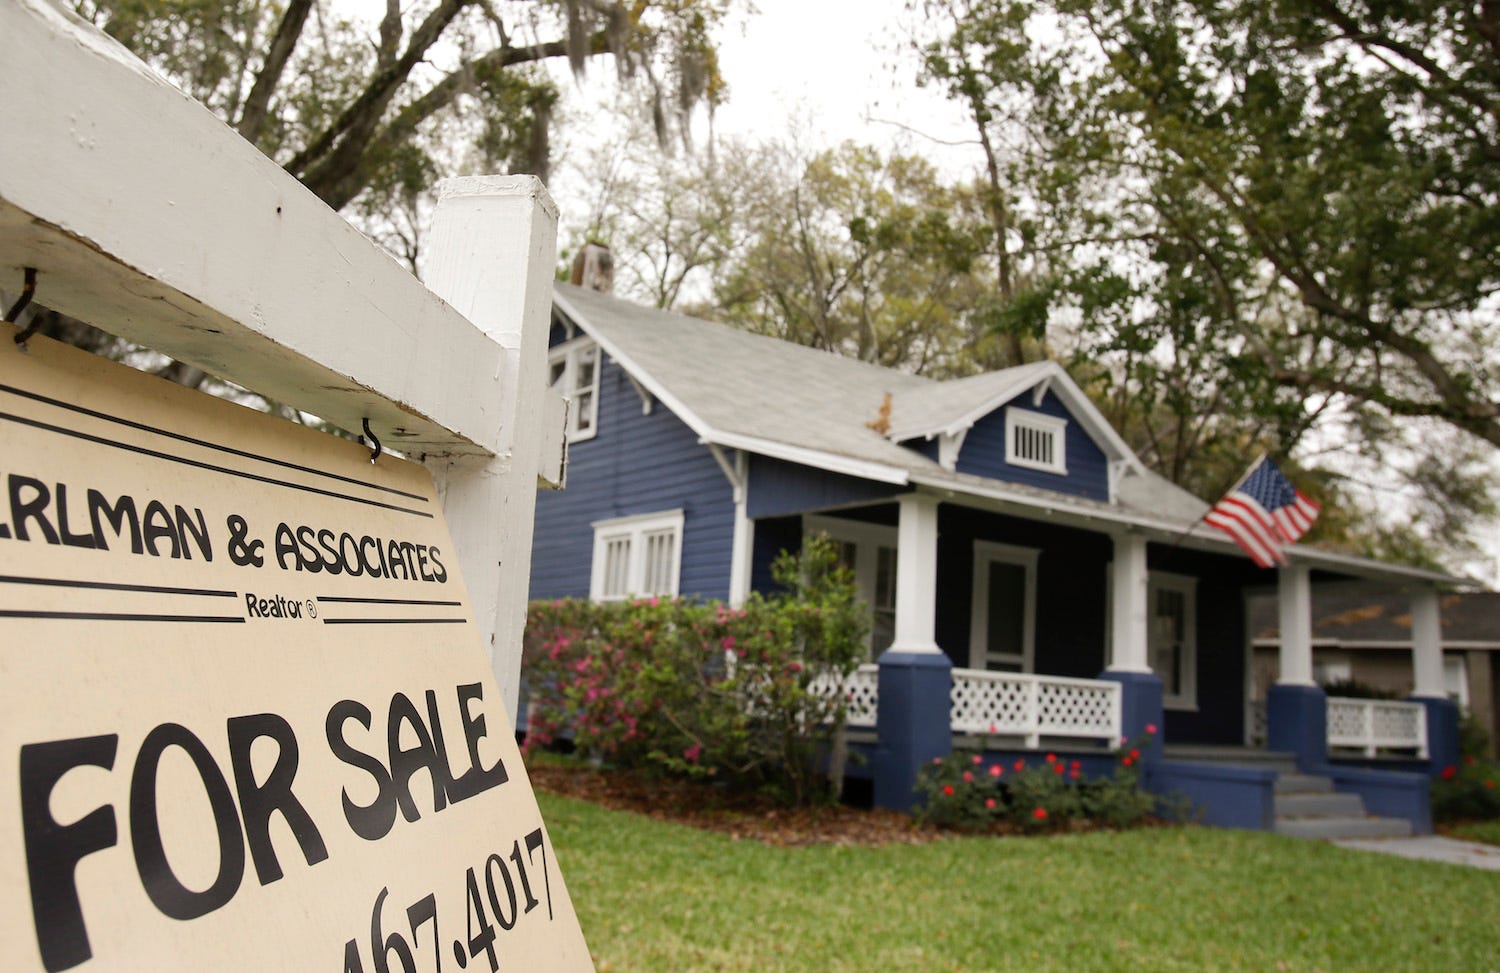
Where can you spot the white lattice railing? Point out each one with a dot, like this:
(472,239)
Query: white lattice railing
(1369,725)
(860,692)
(1015,704)
(1004,704)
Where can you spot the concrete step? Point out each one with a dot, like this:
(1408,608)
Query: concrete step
(1295,783)
(1344,827)
(1323,804)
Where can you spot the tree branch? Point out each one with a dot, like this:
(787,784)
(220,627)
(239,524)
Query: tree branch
(257,103)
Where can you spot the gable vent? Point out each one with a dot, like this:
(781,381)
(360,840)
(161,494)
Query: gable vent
(1035,441)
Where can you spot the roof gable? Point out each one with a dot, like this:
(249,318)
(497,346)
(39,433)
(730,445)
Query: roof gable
(951,409)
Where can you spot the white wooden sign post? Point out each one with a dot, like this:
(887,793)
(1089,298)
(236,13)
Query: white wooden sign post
(259,688)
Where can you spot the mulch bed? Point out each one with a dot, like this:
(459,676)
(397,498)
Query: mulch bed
(741,817)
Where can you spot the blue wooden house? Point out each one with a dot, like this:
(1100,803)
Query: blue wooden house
(1032,584)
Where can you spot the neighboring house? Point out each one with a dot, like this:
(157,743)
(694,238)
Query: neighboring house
(1367,638)
(1030,579)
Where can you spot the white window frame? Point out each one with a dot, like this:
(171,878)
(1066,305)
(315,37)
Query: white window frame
(1017,420)
(1456,678)
(568,354)
(1187,586)
(867,539)
(635,531)
(985,554)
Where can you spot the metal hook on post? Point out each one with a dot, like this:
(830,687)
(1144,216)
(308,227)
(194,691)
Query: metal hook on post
(11,316)
(377,450)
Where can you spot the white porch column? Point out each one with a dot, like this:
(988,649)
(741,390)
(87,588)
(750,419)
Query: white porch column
(743,548)
(1128,605)
(1294,603)
(916,575)
(1427,644)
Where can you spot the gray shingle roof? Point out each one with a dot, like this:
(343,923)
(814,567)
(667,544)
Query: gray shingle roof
(746,391)
(1354,618)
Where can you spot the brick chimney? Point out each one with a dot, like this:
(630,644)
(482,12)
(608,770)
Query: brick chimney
(594,268)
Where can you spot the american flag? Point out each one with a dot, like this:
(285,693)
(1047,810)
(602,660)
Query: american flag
(1264,513)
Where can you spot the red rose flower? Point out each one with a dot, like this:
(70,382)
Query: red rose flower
(1060,768)
(1449,772)
(996,770)
(947,790)
(1021,764)
(968,777)
(1151,729)
(1052,758)
(1040,814)
(977,760)
(989,803)
(1135,755)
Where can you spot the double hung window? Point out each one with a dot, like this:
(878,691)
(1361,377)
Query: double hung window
(635,556)
(573,369)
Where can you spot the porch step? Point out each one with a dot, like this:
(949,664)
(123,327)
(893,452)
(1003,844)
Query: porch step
(1295,783)
(1321,804)
(1307,806)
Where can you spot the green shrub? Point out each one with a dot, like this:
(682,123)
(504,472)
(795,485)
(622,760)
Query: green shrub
(702,690)
(966,792)
(1469,791)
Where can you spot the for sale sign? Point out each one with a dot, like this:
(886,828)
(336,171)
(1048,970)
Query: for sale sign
(248,723)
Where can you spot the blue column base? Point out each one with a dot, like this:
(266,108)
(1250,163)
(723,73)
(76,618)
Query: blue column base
(1297,723)
(1140,710)
(913,723)
(1442,732)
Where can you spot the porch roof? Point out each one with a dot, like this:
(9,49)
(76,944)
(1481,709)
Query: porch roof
(740,390)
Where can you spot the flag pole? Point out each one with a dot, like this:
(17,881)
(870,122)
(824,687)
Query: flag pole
(1222,493)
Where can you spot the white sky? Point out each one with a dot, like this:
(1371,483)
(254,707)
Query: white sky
(842,65)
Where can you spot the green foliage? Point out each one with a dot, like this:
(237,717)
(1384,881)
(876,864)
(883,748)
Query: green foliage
(968,792)
(1238,214)
(699,689)
(1468,791)
(368,111)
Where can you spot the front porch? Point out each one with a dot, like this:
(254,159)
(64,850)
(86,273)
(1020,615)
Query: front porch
(1162,626)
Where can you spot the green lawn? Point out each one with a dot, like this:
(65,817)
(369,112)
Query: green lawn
(1486,831)
(661,898)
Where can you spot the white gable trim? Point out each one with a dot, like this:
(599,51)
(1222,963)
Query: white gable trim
(830,462)
(634,371)
(1048,376)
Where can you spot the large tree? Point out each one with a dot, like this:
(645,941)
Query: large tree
(368,114)
(858,252)
(1276,212)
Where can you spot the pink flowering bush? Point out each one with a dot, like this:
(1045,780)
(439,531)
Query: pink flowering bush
(700,689)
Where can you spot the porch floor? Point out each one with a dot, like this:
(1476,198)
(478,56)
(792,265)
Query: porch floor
(1239,756)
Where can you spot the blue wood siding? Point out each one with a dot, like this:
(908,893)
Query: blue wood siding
(1222,580)
(636,464)
(772,536)
(1070,587)
(778,488)
(1072,613)
(983,454)
(927,447)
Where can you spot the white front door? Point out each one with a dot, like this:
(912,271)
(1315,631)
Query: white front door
(869,550)
(1003,615)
